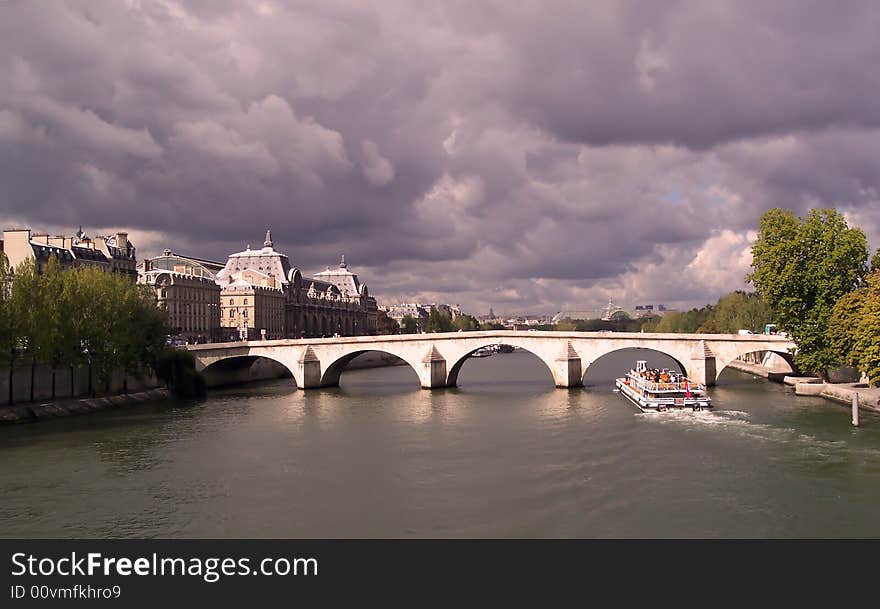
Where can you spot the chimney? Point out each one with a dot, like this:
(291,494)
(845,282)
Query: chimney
(122,241)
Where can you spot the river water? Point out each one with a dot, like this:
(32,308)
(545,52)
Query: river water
(503,455)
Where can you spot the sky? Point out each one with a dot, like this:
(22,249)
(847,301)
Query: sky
(524,156)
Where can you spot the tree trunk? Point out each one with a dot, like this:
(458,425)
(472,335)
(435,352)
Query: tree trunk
(91,388)
(33,374)
(72,386)
(11,378)
(53,382)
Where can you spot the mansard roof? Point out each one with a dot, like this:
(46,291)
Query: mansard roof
(342,278)
(265,260)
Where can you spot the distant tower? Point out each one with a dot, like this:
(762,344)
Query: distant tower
(268,241)
(491,313)
(342,264)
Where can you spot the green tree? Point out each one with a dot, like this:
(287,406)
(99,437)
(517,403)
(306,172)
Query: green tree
(410,324)
(27,306)
(741,310)
(875,261)
(843,326)
(9,326)
(438,321)
(854,328)
(53,332)
(466,323)
(801,268)
(386,325)
(687,322)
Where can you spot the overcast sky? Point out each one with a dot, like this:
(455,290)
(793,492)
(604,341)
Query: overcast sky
(529,156)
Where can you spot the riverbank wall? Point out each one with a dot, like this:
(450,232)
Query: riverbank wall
(69,383)
(36,411)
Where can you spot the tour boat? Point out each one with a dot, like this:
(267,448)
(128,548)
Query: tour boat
(655,390)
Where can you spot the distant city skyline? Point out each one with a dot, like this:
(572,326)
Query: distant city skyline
(531,157)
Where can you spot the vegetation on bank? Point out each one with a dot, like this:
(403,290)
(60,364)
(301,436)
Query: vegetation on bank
(82,318)
(802,268)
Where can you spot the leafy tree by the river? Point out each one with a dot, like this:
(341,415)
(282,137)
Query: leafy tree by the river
(384,324)
(8,325)
(875,261)
(801,268)
(410,324)
(466,323)
(741,310)
(854,328)
(677,322)
(82,317)
(438,321)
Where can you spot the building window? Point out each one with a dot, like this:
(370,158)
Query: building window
(164,293)
(245,301)
(244,313)
(231,302)
(231,313)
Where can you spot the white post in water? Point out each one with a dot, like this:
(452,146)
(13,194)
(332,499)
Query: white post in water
(855,409)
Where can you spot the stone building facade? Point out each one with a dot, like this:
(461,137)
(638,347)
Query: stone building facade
(114,253)
(186,289)
(331,302)
(252,312)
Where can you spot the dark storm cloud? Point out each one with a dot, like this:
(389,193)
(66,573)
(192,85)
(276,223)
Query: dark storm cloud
(534,155)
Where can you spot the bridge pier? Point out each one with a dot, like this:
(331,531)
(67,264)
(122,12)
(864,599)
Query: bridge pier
(702,365)
(567,369)
(308,370)
(433,371)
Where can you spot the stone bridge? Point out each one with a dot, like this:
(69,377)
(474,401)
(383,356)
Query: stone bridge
(438,358)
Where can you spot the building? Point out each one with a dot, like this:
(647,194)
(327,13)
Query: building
(114,253)
(185,287)
(252,311)
(418,312)
(254,283)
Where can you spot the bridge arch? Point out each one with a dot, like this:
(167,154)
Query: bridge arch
(455,370)
(240,368)
(723,362)
(638,353)
(332,371)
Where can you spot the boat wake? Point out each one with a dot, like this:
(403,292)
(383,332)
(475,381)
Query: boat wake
(739,423)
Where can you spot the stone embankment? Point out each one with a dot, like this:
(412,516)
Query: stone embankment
(869,397)
(36,411)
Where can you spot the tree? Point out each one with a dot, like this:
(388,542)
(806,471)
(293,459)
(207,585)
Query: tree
(854,328)
(875,261)
(27,307)
(466,323)
(741,310)
(410,324)
(801,268)
(438,321)
(386,325)
(52,333)
(9,330)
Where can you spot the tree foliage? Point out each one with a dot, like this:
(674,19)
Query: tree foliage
(801,268)
(438,321)
(82,317)
(740,310)
(410,324)
(384,324)
(854,328)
